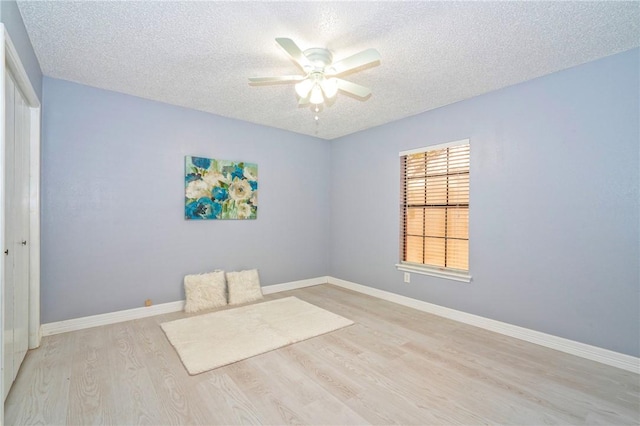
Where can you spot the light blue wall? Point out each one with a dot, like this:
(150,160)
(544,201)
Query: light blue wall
(554,221)
(554,192)
(113,227)
(11,18)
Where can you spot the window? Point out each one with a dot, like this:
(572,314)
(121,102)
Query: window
(434,217)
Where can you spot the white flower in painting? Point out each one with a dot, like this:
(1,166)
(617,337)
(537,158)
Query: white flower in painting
(239,190)
(214,178)
(254,198)
(250,172)
(244,210)
(198,189)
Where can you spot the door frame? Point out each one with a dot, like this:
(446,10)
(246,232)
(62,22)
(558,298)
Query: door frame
(11,59)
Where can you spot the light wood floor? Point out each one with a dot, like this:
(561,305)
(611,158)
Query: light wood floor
(394,366)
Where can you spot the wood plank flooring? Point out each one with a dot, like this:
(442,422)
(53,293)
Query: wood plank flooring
(395,365)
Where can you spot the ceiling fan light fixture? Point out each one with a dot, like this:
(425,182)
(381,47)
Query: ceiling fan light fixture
(303,88)
(316,95)
(329,87)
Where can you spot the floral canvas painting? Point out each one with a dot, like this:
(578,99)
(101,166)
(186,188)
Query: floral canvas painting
(220,189)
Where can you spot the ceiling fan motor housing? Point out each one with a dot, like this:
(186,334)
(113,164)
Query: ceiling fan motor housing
(319,57)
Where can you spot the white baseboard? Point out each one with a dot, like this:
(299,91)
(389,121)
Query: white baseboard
(110,318)
(277,288)
(164,308)
(594,353)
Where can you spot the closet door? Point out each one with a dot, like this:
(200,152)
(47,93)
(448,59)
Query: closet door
(10,236)
(21,261)
(16,256)
(19,215)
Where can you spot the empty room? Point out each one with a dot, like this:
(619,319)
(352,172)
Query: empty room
(322,213)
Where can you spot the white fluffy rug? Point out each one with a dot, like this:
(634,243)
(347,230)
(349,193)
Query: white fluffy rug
(212,340)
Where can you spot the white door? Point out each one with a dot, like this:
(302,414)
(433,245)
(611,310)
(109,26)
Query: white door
(19,214)
(21,265)
(9,233)
(16,256)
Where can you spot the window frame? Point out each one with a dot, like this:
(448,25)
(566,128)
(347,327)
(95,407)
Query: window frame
(420,268)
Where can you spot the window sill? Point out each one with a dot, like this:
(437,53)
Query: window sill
(450,275)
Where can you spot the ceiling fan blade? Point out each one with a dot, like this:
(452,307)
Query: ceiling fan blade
(282,78)
(294,51)
(352,88)
(354,61)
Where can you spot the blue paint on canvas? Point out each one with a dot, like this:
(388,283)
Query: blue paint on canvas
(220,189)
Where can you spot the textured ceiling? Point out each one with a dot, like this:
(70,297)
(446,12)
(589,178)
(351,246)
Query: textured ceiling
(200,54)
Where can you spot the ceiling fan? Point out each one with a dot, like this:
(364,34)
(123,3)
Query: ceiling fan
(320,80)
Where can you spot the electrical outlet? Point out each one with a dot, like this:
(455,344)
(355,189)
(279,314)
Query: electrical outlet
(407,277)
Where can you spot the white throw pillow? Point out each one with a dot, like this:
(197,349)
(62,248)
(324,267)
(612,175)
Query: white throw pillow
(244,286)
(205,291)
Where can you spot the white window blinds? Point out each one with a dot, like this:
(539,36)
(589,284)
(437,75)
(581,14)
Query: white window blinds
(435,206)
